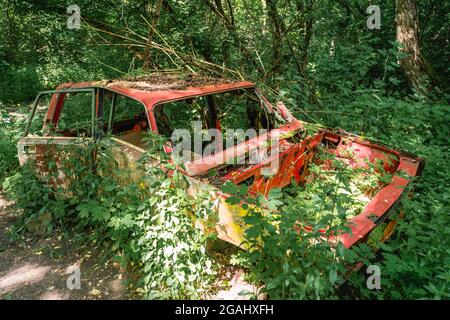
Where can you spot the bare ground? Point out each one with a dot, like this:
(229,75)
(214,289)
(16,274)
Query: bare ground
(34,269)
(39,269)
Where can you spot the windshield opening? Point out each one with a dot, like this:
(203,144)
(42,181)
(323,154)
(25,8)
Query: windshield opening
(208,124)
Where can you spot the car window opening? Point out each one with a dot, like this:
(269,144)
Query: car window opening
(128,119)
(232,113)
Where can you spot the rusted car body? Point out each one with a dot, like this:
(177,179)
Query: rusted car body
(292,159)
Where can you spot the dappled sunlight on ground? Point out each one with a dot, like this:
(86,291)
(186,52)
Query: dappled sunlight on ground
(22,276)
(32,268)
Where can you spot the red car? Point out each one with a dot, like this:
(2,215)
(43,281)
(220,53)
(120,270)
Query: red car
(233,111)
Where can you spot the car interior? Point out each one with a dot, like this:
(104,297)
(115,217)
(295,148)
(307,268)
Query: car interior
(240,109)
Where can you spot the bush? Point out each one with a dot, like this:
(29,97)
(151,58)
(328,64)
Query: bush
(146,220)
(10,131)
(287,237)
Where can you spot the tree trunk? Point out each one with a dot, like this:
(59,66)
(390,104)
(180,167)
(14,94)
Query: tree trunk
(304,46)
(305,10)
(277,35)
(240,42)
(148,61)
(414,64)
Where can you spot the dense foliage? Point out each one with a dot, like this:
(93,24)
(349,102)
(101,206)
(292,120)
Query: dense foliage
(318,57)
(145,222)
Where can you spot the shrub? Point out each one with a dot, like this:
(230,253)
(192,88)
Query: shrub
(147,221)
(10,130)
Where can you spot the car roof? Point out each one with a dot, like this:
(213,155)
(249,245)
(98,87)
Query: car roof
(156,88)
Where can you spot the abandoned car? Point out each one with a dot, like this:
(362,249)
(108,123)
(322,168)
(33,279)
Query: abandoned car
(126,109)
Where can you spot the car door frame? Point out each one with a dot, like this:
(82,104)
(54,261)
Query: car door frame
(27,141)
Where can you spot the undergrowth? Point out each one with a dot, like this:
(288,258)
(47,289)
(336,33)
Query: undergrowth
(11,128)
(145,220)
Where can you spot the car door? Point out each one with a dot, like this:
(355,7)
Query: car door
(59,119)
(123,132)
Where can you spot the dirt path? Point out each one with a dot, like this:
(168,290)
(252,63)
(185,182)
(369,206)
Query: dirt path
(39,269)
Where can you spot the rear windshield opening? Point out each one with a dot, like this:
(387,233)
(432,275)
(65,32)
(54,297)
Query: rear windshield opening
(236,115)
